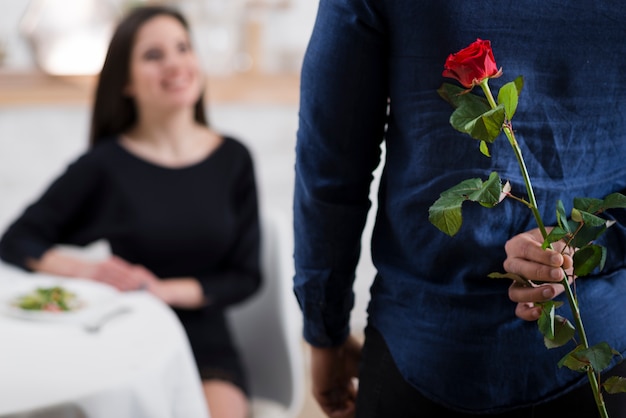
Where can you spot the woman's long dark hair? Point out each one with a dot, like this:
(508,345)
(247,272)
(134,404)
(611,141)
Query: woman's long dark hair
(114,112)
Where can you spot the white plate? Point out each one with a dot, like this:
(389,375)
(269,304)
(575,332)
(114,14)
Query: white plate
(92,297)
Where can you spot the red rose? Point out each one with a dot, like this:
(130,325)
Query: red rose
(472,64)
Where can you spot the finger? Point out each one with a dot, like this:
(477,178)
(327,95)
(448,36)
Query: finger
(132,275)
(144,278)
(116,278)
(339,396)
(115,273)
(108,281)
(348,412)
(336,408)
(116,282)
(568,261)
(527,247)
(535,271)
(120,262)
(525,294)
(142,274)
(527,311)
(122,273)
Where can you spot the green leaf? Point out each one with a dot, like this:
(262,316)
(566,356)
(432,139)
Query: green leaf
(585,234)
(563,333)
(484,149)
(556,330)
(592,205)
(519,84)
(557,233)
(615,384)
(588,204)
(588,258)
(589,218)
(458,97)
(446,214)
(508,97)
(483,127)
(576,215)
(546,320)
(473,114)
(614,200)
(598,356)
(561,217)
(489,193)
(512,276)
(574,363)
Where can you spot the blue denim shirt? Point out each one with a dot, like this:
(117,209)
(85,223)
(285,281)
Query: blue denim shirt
(370,76)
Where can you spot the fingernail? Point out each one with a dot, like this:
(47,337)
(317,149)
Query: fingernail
(547,292)
(555,260)
(556,274)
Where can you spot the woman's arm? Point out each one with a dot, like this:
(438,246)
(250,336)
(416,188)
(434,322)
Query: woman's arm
(113,271)
(184,292)
(239,273)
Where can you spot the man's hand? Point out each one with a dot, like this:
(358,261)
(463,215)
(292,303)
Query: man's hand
(333,371)
(526,258)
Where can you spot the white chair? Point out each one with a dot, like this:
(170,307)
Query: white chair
(267,329)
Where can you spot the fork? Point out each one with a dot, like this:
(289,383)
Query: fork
(96,324)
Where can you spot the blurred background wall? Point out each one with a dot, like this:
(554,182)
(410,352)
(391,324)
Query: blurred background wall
(230,35)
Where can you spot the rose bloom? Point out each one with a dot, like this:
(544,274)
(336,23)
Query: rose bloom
(472,64)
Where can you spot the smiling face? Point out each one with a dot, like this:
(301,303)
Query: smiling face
(164,72)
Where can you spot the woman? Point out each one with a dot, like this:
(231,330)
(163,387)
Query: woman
(176,201)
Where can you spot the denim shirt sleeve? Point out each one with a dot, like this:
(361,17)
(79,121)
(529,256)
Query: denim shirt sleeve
(341,127)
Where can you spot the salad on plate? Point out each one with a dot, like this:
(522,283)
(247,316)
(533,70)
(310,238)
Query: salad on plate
(48,299)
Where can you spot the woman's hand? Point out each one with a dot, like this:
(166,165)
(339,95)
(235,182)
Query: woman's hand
(183,292)
(113,271)
(116,272)
(526,258)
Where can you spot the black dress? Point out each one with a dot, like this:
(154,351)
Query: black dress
(200,221)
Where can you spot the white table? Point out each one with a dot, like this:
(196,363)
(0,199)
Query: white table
(138,365)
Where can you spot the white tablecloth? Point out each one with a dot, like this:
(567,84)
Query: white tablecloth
(138,365)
